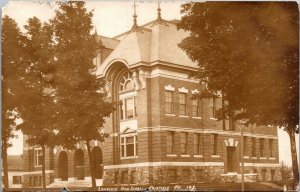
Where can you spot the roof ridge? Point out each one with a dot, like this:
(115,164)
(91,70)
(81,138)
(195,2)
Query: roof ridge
(146,24)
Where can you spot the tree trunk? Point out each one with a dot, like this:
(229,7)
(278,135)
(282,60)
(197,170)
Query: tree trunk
(5,166)
(91,160)
(44,166)
(294,157)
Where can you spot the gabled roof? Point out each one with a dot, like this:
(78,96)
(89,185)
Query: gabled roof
(153,42)
(109,43)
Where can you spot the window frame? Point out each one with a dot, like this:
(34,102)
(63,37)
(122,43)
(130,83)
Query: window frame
(171,148)
(197,144)
(245,138)
(262,147)
(271,147)
(253,147)
(184,143)
(169,100)
(17,178)
(124,146)
(123,106)
(38,162)
(196,108)
(215,144)
(213,108)
(182,104)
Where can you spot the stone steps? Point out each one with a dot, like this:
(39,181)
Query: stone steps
(75,184)
(235,177)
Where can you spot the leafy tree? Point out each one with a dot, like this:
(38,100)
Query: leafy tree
(83,105)
(286,172)
(11,69)
(249,53)
(37,106)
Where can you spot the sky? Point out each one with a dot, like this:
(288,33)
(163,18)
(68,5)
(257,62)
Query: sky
(110,19)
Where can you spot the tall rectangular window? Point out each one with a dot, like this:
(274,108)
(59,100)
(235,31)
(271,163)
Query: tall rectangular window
(129,103)
(171,176)
(116,177)
(133,177)
(200,175)
(169,102)
(213,107)
(124,177)
(128,108)
(128,146)
(253,141)
(214,144)
(197,144)
(170,142)
(184,143)
(262,147)
(38,156)
(186,175)
(196,108)
(271,152)
(182,103)
(245,146)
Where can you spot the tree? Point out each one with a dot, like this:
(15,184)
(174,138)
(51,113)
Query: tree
(11,70)
(83,105)
(286,172)
(37,106)
(249,53)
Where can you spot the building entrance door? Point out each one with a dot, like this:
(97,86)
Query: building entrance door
(231,160)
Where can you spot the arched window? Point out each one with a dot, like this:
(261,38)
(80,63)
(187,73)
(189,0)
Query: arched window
(127,97)
(126,83)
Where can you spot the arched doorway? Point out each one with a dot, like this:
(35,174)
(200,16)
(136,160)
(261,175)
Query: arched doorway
(79,164)
(98,162)
(63,166)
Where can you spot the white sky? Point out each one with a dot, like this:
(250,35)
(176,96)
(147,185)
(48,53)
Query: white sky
(112,18)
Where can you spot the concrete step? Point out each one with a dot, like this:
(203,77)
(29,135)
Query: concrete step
(74,184)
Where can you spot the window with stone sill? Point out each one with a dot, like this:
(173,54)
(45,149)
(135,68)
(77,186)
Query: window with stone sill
(271,150)
(196,107)
(38,157)
(171,176)
(253,147)
(129,146)
(262,147)
(128,104)
(169,102)
(128,108)
(214,144)
(184,143)
(245,146)
(124,177)
(133,177)
(171,142)
(197,144)
(183,104)
(186,175)
(213,106)
(200,175)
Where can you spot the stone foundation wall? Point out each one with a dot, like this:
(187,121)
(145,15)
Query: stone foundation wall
(265,173)
(160,175)
(36,180)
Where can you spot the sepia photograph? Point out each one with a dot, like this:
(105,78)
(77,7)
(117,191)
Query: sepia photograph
(150,95)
